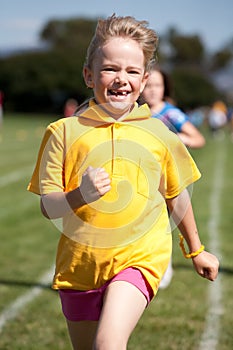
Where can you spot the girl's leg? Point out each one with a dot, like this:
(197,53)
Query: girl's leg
(82,334)
(123,306)
(167,277)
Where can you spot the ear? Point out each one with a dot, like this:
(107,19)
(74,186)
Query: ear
(88,77)
(144,81)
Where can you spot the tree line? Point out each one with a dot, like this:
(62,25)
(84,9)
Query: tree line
(41,81)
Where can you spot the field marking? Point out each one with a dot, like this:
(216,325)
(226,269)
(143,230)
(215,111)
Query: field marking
(10,312)
(14,176)
(15,307)
(210,336)
(10,178)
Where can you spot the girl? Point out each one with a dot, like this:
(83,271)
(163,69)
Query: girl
(110,173)
(158,97)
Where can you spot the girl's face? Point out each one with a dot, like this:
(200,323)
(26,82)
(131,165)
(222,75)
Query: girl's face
(153,92)
(117,75)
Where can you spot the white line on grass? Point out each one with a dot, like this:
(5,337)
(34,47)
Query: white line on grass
(6,180)
(210,336)
(15,307)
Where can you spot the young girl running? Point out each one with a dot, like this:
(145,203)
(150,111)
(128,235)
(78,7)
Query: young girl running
(109,174)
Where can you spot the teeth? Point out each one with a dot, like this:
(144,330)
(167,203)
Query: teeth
(122,93)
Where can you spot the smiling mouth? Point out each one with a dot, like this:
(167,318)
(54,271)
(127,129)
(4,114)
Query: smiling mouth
(118,93)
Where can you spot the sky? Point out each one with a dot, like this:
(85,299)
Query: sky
(21,21)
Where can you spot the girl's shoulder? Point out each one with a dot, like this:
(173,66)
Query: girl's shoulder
(63,123)
(174,115)
(168,107)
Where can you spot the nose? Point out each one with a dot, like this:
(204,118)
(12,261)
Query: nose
(120,78)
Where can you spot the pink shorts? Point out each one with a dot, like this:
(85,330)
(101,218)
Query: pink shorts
(87,305)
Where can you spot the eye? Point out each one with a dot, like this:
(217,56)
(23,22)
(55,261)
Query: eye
(108,69)
(134,72)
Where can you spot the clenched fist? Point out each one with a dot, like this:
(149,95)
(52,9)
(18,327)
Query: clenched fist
(95,183)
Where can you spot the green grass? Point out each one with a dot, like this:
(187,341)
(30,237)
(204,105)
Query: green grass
(174,320)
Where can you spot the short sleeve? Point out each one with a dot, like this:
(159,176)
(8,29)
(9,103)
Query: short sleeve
(48,173)
(179,170)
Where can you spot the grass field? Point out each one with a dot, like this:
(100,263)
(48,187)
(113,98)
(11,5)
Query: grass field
(178,318)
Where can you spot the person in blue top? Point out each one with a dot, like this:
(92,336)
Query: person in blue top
(157,94)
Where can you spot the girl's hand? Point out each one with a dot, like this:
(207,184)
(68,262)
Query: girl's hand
(206,265)
(95,183)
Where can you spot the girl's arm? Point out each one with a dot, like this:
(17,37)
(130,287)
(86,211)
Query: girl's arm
(191,136)
(180,209)
(95,183)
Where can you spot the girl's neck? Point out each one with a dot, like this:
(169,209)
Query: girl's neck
(158,107)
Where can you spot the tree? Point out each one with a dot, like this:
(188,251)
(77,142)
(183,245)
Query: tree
(190,64)
(67,35)
(193,89)
(187,49)
(221,59)
(42,81)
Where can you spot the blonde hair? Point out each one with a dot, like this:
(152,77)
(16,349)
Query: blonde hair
(127,27)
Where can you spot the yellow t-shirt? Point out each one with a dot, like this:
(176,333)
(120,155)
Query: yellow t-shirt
(128,226)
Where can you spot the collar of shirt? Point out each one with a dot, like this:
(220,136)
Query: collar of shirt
(95,112)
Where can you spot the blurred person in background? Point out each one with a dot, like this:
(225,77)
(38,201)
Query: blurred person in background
(157,94)
(217,118)
(70,107)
